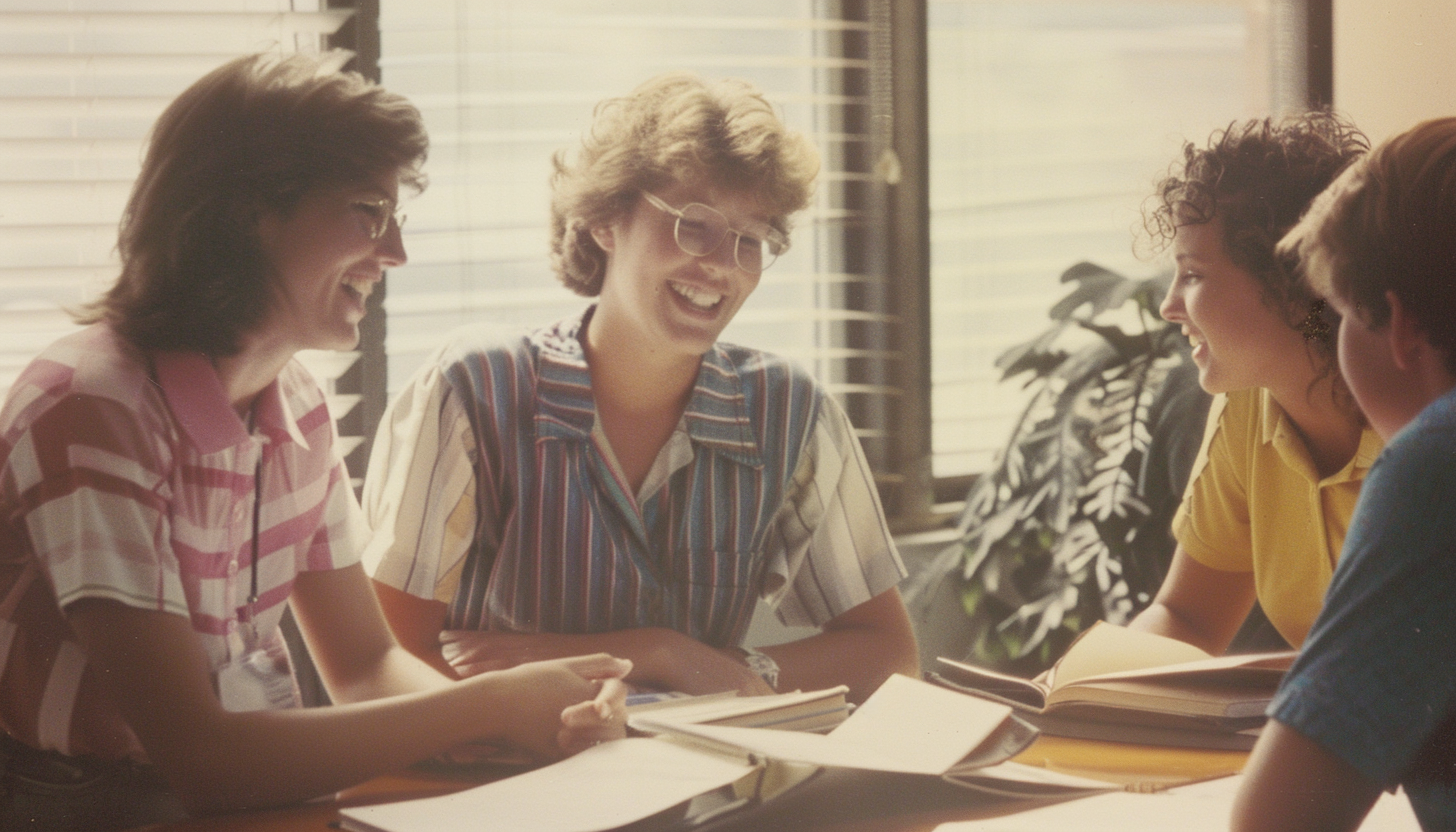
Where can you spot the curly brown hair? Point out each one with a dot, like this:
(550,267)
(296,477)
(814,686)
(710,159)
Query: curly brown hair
(1257,178)
(675,127)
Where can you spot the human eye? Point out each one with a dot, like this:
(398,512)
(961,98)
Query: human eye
(376,214)
(372,209)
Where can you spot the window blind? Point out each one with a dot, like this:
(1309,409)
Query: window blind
(505,84)
(1049,124)
(81,82)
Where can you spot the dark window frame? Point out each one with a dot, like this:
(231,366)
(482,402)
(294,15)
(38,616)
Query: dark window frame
(897,248)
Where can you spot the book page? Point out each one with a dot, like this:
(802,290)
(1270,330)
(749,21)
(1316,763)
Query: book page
(714,707)
(1107,648)
(906,726)
(603,787)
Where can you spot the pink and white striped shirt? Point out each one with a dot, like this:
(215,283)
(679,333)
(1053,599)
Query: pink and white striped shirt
(126,475)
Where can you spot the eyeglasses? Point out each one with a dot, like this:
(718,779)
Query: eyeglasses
(377,213)
(700,229)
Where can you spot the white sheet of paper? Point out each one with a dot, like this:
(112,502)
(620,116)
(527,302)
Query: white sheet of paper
(1198,807)
(906,726)
(603,787)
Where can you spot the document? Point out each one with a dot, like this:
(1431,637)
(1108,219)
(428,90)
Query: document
(601,788)
(907,727)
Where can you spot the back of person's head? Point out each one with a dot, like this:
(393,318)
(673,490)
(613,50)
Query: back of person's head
(1257,178)
(676,127)
(1389,225)
(253,136)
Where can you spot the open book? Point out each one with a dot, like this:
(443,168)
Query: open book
(906,727)
(1120,684)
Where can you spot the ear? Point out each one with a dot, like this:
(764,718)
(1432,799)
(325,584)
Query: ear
(1406,339)
(604,237)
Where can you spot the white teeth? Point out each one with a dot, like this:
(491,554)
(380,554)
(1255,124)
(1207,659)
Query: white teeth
(360,286)
(700,298)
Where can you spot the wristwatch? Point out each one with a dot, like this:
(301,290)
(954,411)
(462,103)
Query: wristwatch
(762,664)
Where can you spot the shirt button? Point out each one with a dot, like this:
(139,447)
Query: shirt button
(232,568)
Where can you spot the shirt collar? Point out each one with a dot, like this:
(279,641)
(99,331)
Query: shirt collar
(197,400)
(1280,432)
(716,416)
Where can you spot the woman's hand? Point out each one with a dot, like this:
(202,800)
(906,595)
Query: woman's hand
(563,705)
(603,718)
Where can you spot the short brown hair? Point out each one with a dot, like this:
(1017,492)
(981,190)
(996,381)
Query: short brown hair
(1389,225)
(254,135)
(675,127)
(1257,178)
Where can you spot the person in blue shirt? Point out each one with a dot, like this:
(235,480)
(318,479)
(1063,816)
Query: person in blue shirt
(1369,703)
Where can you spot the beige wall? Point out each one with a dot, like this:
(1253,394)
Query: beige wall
(1395,62)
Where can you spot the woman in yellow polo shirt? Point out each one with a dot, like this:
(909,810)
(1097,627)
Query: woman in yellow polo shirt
(1285,448)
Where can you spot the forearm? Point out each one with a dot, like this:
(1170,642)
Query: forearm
(1292,783)
(1161,619)
(662,659)
(860,649)
(269,758)
(397,672)
(1198,604)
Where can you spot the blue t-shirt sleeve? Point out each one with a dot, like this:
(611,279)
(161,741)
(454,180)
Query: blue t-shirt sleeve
(1375,677)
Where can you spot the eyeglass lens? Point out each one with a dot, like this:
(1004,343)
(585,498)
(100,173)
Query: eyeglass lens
(701,229)
(377,216)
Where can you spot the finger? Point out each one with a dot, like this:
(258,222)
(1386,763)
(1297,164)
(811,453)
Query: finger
(452,636)
(611,700)
(583,715)
(468,669)
(599,666)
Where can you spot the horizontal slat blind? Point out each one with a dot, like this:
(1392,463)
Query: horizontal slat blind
(81,82)
(505,84)
(1049,123)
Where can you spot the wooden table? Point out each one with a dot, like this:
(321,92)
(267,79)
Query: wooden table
(836,801)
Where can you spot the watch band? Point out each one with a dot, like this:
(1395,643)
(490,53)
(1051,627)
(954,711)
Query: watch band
(762,664)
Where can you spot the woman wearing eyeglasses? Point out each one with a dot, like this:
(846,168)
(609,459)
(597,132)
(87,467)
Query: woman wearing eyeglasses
(621,481)
(170,483)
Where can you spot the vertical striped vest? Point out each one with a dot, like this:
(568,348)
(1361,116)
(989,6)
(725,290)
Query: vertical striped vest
(561,545)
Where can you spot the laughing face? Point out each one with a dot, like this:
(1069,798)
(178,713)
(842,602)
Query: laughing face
(661,296)
(326,261)
(1239,341)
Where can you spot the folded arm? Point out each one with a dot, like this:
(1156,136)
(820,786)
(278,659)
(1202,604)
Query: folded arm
(859,648)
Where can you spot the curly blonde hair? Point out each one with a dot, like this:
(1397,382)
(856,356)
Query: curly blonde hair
(676,127)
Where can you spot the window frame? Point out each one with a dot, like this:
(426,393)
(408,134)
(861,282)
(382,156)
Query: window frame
(896,425)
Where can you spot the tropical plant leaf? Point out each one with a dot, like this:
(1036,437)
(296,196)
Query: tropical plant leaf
(1096,287)
(1044,530)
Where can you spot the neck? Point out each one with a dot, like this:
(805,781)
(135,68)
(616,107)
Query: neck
(1329,423)
(247,373)
(631,376)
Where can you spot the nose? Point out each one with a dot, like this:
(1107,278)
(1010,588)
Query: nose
(1172,306)
(724,256)
(390,247)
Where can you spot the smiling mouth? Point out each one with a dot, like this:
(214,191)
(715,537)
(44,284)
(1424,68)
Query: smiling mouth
(699,298)
(359,287)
